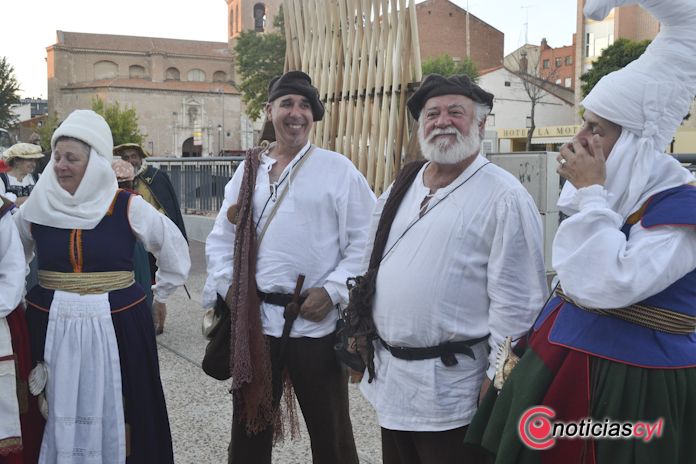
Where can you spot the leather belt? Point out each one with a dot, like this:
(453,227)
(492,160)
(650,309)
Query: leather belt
(278,299)
(445,351)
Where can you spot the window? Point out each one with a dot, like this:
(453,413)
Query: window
(105,70)
(569,60)
(589,44)
(569,82)
(172,74)
(196,75)
(558,82)
(546,64)
(507,83)
(559,62)
(136,72)
(220,76)
(259,17)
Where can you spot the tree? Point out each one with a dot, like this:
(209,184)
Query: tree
(260,57)
(446,66)
(123,122)
(614,57)
(9,93)
(46,131)
(536,85)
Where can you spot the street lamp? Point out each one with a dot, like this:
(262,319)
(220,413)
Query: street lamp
(219,140)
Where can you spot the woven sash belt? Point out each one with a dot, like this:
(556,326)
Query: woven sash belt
(445,351)
(86,283)
(652,317)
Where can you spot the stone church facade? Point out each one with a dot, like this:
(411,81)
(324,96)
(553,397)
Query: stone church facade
(184,91)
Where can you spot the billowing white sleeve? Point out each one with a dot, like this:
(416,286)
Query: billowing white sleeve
(354,213)
(599,268)
(12,266)
(160,236)
(24,229)
(219,246)
(516,279)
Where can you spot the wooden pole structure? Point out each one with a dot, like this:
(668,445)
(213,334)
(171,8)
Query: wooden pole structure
(363,56)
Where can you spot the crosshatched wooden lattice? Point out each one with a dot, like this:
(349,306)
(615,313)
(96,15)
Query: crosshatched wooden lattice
(364,57)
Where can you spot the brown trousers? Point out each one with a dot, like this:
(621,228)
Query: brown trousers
(446,447)
(321,387)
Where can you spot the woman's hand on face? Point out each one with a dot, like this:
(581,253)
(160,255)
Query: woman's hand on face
(581,164)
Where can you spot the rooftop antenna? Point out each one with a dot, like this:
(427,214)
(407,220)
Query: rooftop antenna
(526,23)
(468,37)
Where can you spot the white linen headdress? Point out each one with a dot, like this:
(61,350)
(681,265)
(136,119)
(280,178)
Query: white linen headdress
(648,99)
(51,205)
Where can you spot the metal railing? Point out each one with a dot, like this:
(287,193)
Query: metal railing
(199,183)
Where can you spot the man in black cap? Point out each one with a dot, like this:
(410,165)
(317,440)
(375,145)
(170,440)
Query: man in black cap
(456,266)
(292,209)
(156,188)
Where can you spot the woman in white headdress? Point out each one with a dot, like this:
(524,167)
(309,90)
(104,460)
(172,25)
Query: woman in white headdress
(616,343)
(92,334)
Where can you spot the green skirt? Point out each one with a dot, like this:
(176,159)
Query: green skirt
(578,386)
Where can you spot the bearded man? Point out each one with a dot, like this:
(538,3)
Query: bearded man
(456,266)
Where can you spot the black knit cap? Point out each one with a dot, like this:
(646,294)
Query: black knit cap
(435,85)
(297,83)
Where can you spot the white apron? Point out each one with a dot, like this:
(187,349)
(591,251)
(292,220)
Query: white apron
(85,421)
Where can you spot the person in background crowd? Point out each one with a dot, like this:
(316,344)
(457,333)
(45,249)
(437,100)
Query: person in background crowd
(18,182)
(125,173)
(156,188)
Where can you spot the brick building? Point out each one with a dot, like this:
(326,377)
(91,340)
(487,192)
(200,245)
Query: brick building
(442,29)
(180,89)
(245,15)
(557,64)
(627,22)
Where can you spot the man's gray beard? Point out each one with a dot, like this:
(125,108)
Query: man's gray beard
(445,152)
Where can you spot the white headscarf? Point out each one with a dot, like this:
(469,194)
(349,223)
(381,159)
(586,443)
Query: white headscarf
(51,205)
(648,99)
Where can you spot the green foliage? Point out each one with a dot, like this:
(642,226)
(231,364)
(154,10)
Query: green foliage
(123,122)
(446,66)
(9,95)
(46,131)
(614,57)
(260,57)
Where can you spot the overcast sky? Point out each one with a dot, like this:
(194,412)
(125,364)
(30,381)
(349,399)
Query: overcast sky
(29,26)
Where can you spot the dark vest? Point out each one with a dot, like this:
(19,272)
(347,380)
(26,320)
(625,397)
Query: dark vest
(611,338)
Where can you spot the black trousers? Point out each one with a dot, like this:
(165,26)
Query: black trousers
(321,387)
(446,447)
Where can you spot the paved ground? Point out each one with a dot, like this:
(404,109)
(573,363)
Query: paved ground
(200,408)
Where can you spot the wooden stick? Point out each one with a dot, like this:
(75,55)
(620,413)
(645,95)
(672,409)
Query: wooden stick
(347,42)
(356,67)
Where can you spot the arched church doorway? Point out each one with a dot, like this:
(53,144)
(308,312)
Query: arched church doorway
(189,150)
